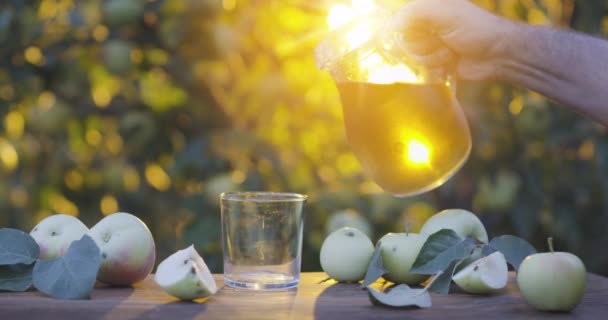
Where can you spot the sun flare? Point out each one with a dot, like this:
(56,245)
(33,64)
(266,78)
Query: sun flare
(417,152)
(359,29)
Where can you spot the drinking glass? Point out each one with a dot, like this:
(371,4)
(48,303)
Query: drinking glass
(262,239)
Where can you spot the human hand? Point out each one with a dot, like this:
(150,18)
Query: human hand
(454,36)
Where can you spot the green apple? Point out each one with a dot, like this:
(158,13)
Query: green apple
(217,185)
(499,194)
(348,218)
(485,275)
(121,12)
(399,251)
(345,254)
(185,275)
(552,281)
(463,222)
(55,233)
(117,56)
(51,119)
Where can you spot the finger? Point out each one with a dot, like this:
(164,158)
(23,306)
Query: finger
(438,72)
(440,58)
(416,13)
(430,16)
(422,47)
(476,70)
(416,35)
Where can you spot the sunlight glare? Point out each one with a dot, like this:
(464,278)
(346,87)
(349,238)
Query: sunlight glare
(378,71)
(339,15)
(358,35)
(374,60)
(363,6)
(374,66)
(417,152)
(386,74)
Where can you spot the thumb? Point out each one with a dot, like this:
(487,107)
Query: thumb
(422,16)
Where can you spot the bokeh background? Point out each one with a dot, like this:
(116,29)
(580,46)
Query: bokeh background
(155,107)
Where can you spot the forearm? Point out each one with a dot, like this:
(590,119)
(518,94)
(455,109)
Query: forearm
(567,67)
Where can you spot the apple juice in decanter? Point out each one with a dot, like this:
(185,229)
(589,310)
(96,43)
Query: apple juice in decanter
(402,121)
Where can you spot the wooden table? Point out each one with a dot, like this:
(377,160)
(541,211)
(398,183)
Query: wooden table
(313,299)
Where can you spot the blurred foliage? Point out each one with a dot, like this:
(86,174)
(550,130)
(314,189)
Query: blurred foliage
(155,107)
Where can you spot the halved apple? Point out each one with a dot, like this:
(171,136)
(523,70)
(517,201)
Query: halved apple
(185,275)
(485,275)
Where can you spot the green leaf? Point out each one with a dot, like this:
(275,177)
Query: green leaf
(443,281)
(514,249)
(375,269)
(401,296)
(17,246)
(71,276)
(488,250)
(440,250)
(16,277)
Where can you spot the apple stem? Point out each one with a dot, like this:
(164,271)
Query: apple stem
(550,243)
(407,229)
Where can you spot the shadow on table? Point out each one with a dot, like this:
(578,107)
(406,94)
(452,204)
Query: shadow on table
(34,304)
(228,303)
(175,310)
(349,301)
(340,300)
(107,300)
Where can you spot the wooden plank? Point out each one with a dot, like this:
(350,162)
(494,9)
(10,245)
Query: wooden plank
(312,299)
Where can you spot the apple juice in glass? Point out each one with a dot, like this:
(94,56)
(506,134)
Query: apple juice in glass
(403,123)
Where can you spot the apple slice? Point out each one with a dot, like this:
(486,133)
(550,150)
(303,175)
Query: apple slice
(185,275)
(485,275)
